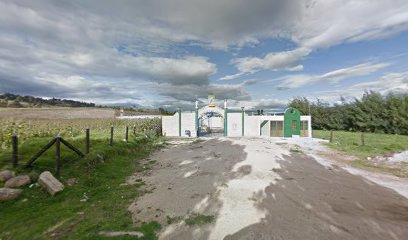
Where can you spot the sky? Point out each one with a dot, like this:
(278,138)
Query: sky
(258,54)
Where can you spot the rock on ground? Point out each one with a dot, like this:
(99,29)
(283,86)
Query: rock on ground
(6,175)
(9,193)
(50,183)
(18,181)
(71,181)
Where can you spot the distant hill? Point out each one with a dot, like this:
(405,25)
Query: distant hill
(16,101)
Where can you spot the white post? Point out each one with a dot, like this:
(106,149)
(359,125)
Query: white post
(196,119)
(309,127)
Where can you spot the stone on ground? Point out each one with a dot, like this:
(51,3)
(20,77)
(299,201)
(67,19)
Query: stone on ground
(50,183)
(71,181)
(9,193)
(18,181)
(6,175)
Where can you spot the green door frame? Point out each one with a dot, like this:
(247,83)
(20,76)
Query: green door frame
(291,114)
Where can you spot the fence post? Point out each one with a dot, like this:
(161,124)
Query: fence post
(87,141)
(14,141)
(111,137)
(331,136)
(58,155)
(362,139)
(127,134)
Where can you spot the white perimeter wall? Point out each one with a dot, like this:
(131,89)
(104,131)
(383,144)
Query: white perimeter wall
(170,125)
(309,124)
(252,126)
(266,128)
(234,124)
(188,123)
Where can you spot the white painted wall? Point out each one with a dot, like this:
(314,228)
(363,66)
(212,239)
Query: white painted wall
(266,129)
(271,118)
(252,126)
(170,125)
(188,123)
(309,124)
(234,124)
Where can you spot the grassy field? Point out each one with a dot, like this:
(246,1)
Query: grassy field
(375,143)
(98,202)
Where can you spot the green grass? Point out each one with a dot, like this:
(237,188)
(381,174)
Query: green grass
(100,175)
(171,220)
(375,143)
(199,219)
(397,171)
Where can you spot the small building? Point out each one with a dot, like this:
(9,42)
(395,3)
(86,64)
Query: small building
(212,120)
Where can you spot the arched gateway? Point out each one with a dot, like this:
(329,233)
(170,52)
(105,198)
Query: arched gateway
(210,121)
(214,121)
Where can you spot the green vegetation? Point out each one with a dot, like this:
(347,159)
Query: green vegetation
(37,129)
(98,201)
(373,113)
(397,171)
(375,143)
(199,219)
(17,101)
(9,100)
(171,220)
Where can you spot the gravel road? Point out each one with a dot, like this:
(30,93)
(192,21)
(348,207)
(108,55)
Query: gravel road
(258,188)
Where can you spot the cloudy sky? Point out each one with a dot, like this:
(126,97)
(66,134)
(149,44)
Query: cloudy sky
(166,53)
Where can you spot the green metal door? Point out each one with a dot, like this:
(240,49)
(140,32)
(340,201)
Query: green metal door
(291,122)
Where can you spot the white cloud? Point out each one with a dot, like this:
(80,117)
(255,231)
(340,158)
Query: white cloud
(121,49)
(324,23)
(272,61)
(300,80)
(266,104)
(232,77)
(392,82)
(190,92)
(396,83)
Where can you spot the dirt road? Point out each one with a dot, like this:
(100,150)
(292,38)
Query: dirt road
(262,189)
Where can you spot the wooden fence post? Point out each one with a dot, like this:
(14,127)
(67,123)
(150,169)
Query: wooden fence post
(111,137)
(127,134)
(14,143)
(362,139)
(331,136)
(58,155)
(87,141)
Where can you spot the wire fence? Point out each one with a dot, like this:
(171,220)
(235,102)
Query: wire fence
(22,140)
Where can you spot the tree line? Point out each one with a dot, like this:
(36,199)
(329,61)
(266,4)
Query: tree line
(372,113)
(17,101)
